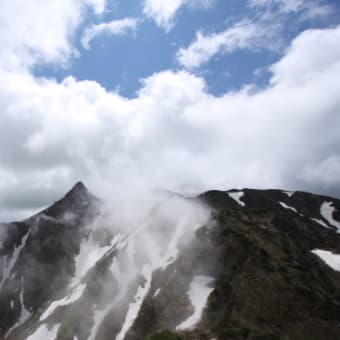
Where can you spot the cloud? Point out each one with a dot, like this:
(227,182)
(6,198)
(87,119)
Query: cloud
(99,6)
(306,9)
(304,59)
(174,133)
(115,27)
(243,35)
(163,12)
(283,6)
(37,31)
(264,30)
(325,172)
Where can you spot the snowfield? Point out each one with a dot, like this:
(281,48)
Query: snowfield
(331,259)
(327,211)
(236,196)
(322,223)
(71,297)
(44,333)
(285,206)
(198,294)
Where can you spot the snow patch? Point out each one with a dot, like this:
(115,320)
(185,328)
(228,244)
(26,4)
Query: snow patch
(327,211)
(135,306)
(98,318)
(157,292)
(25,314)
(289,193)
(11,263)
(172,251)
(44,333)
(236,196)
(122,277)
(157,261)
(152,246)
(284,205)
(322,223)
(71,297)
(331,259)
(198,295)
(89,255)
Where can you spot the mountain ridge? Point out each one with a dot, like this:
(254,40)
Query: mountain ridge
(256,247)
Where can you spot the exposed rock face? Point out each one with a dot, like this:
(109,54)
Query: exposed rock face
(250,271)
(37,257)
(271,285)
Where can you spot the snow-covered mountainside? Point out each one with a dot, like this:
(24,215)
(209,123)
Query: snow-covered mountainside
(250,264)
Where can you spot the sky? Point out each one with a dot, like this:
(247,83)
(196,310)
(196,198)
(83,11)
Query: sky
(186,95)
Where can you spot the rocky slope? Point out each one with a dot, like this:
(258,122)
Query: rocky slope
(250,264)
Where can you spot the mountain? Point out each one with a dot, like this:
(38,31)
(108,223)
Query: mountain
(238,264)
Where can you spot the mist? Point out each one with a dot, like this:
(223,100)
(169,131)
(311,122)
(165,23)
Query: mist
(134,235)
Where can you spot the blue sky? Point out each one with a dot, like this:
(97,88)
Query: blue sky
(121,61)
(187,95)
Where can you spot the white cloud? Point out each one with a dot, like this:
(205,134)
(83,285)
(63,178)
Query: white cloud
(307,9)
(163,12)
(325,171)
(174,134)
(115,27)
(307,57)
(99,6)
(264,30)
(285,6)
(36,31)
(243,35)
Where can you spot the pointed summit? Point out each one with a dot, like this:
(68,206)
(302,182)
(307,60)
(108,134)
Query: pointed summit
(78,189)
(79,186)
(79,193)
(78,200)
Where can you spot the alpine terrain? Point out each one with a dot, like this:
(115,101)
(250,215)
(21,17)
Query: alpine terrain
(238,264)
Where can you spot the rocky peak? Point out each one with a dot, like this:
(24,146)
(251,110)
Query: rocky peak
(78,189)
(78,192)
(79,200)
